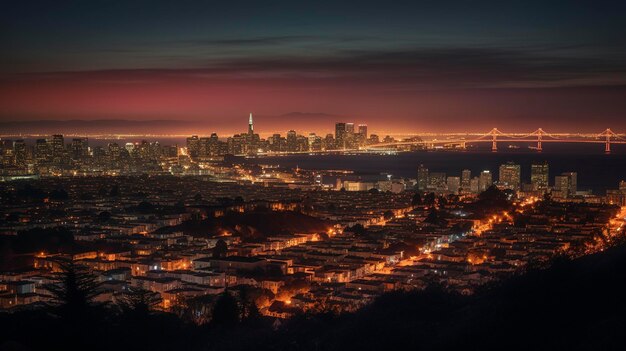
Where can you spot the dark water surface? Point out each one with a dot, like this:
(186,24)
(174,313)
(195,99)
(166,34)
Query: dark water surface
(596,170)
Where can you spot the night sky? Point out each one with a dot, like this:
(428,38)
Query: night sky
(398,66)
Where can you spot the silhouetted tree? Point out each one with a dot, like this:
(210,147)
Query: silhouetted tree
(74,291)
(104,216)
(256,170)
(28,192)
(358,229)
(433,216)
(139,302)
(492,199)
(442,201)
(429,199)
(521,220)
(145,206)
(453,198)
(492,194)
(461,228)
(249,310)
(86,196)
(12,217)
(417,199)
(226,311)
(254,315)
(546,202)
(225,201)
(59,195)
(197,310)
(115,191)
(547,197)
(220,249)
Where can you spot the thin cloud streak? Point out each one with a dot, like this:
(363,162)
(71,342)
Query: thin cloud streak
(419,68)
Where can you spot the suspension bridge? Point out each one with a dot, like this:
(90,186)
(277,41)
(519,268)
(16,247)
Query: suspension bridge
(539,136)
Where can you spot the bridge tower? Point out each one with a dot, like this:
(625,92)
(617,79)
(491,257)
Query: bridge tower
(494,139)
(540,133)
(608,133)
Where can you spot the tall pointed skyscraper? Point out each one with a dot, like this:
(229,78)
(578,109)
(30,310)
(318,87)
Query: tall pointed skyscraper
(250,125)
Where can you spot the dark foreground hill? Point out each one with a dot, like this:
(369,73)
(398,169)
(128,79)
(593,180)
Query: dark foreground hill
(574,305)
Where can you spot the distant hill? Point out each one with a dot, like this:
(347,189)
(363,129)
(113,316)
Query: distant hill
(102,126)
(256,226)
(303,122)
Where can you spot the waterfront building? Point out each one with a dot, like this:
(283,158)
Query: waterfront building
(340,135)
(539,176)
(510,176)
(485,180)
(466,177)
(362,135)
(422,178)
(454,184)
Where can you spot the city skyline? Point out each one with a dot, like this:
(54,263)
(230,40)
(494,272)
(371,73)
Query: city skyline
(477,66)
(59,156)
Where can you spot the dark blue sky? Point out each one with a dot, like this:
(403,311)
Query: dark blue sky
(421,63)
